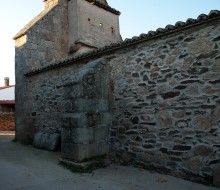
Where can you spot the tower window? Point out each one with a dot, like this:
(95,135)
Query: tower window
(112,30)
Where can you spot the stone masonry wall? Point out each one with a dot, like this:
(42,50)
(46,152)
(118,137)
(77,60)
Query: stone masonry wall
(74,102)
(7,122)
(86,119)
(43,43)
(165,107)
(166,111)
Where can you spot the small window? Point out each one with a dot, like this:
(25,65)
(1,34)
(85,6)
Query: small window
(89,19)
(112,30)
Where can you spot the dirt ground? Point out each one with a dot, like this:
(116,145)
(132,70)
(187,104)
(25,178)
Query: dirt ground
(23,167)
(7,122)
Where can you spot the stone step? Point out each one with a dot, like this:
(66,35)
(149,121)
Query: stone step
(78,152)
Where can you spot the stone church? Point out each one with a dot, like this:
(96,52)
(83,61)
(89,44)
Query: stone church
(152,101)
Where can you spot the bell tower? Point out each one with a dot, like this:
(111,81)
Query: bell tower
(92,24)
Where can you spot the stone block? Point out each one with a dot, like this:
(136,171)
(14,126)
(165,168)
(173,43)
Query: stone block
(107,119)
(90,105)
(146,157)
(66,135)
(164,119)
(161,158)
(200,46)
(202,150)
(77,135)
(94,119)
(216,177)
(86,105)
(91,150)
(78,152)
(102,147)
(75,120)
(101,132)
(74,151)
(46,140)
(181,147)
(205,122)
(68,106)
(194,164)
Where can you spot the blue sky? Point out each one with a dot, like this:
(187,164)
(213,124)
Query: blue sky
(137,16)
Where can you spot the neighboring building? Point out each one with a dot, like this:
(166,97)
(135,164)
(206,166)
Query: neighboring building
(7,97)
(153,100)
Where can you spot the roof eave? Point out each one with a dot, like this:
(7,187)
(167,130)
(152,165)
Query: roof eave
(170,29)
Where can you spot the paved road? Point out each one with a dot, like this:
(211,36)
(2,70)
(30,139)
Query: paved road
(25,168)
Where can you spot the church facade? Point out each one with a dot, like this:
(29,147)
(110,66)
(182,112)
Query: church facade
(152,101)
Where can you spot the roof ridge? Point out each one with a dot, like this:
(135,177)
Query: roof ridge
(4,87)
(7,101)
(104,6)
(136,39)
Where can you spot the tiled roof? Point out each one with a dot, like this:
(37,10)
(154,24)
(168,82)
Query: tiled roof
(4,87)
(7,102)
(213,15)
(104,6)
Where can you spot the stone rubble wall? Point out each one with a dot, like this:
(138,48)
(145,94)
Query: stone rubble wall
(45,102)
(164,98)
(74,102)
(44,43)
(166,111)
(7,122)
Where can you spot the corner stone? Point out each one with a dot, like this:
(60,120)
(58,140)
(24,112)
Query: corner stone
(46,140)
(216,177)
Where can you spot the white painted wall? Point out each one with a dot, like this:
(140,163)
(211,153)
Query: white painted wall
(7,93)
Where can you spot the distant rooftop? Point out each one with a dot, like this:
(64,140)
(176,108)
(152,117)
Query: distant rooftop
(7,94)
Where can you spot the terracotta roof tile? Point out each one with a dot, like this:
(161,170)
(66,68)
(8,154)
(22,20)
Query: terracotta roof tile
(7,101)
(104,6)
(4,87)
(214,14)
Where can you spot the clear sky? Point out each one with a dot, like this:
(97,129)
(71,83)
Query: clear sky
(137,16)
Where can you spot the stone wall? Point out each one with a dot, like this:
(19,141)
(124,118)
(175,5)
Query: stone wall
(7,122)
(86,119)
(163,97)
(166,111)
(43,43)
(74,102)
